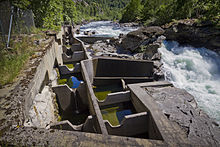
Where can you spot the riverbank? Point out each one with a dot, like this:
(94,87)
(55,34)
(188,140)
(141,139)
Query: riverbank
(170,115)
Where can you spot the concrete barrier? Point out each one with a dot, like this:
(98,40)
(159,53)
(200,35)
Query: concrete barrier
(107,67)
(76,57)
(76,47)
(131,125)
(65,96)
(66,125)
(43,71)
(87,126)
(64,70)
(114,98)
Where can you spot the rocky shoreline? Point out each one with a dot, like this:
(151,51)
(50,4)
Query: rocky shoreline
(143,44)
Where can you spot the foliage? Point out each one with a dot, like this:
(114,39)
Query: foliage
(132,11)
(69,11)
(100,9)
(158,12)
(51,14)
(53,17)
(13,60)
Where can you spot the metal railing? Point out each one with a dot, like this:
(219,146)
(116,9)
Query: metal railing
(13,22)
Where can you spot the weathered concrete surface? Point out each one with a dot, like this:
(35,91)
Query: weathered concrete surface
(65,125)
(87,72)
(77,56)
(117,97)
(64,70)
(41,137)
(131,125)
(65,97)
(107,67)
(158,125)
(15,107)
(41,113)
(180,107)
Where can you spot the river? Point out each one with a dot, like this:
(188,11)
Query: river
(105,29)
(197,70)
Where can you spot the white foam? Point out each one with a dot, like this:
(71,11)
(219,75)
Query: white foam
(105,29)
(196,70)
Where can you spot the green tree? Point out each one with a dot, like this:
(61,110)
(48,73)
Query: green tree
(53,17)
(69,11)
(132,11)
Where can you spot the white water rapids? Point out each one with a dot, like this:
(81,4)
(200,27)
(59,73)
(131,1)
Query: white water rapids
(105,29)
(197,70)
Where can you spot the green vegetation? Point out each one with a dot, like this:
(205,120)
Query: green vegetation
(100,9)
(71,66)
(159,12)
(132,11)
(51,14)
(59,80)
(12,60)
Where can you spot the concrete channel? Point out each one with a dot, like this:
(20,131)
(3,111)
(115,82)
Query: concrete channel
(104,101)
(100,100)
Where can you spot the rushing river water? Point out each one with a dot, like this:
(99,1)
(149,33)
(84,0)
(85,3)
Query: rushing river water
(105,29)
(197,70)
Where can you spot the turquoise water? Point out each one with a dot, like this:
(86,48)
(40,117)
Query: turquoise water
(196,70)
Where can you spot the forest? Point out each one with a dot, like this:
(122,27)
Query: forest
(52,13)
(158,12)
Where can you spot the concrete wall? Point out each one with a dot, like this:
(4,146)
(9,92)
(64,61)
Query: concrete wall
(113,98)
(131,125)
(44,72)
(106,67)
(158,125)
(64,70)
(93,104)
(75,57)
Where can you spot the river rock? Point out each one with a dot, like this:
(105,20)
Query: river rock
(143,36)
(77,31)
(191,33)
(150,51)
(88,33)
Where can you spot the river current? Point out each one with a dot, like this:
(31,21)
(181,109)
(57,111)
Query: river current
(105,29)
(197,70)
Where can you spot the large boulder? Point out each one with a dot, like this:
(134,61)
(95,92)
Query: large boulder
(141,37)
(190,33)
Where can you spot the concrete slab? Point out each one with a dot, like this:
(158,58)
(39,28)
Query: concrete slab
(131,125)
(65,125)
